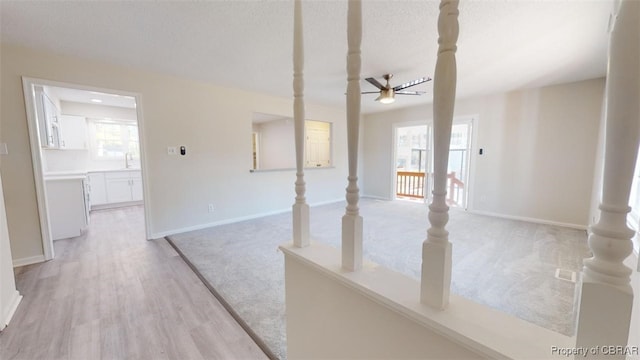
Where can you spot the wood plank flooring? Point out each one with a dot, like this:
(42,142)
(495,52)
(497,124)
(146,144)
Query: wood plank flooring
(111,294)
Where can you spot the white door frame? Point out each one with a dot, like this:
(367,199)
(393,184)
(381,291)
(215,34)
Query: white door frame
(36,153)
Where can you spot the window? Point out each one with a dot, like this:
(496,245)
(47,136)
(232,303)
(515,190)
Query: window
(113,139)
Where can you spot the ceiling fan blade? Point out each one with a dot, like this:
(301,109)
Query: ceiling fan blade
(370,92)
(375,83)
(410,92)
(412,83)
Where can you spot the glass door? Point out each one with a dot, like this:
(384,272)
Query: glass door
(458,169)
(414,163)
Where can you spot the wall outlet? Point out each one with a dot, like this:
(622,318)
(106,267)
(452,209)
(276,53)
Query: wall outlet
(172,150)
(210,207)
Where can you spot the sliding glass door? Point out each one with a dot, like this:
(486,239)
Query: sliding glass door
(414,163)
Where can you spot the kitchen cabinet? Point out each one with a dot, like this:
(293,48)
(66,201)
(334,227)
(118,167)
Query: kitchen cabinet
(136,186)
(97,188)
(118,187)
(114,188)
(47,120)
(73,132)
(67,206)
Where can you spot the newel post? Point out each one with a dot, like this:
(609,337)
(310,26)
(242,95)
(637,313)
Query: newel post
(436,249)
(606,295)
(352,221)
(300,208)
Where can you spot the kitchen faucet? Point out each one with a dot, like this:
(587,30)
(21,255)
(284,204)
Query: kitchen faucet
(127,157)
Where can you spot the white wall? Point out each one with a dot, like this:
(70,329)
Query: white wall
(327,320)
(213,123)
(376,313)
(9,296)
(277,148)
(539,151)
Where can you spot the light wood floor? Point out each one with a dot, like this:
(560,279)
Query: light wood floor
(110,294)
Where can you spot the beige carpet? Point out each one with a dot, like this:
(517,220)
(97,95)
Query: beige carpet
(505,264)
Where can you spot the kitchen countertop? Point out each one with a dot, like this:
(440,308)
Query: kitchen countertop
(65,173)
(78,174)
(59,177)
(113,170)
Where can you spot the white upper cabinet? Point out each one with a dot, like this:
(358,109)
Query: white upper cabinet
(47,114)
(73,132)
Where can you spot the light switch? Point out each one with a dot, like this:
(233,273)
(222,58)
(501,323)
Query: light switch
(172,150)
(3,149)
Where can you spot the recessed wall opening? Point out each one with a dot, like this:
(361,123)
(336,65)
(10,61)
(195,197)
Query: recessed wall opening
(273,143)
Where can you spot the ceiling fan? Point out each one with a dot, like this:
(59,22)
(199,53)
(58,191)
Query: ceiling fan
(387,93)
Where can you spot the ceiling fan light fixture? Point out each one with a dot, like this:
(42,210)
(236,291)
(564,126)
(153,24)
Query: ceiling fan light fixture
(386,96)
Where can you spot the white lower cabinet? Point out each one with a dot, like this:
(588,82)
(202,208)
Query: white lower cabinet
(116,187)
(136,186)
(97,188)
(66,206)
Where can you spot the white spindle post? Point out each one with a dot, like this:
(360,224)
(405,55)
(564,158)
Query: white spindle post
(300,209)
(352,221)
(436,250)
(606,295)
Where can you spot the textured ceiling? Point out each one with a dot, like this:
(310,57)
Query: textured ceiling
(503,45)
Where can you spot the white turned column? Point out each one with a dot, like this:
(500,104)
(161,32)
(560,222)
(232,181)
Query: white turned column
(606,295)
(352,221)
(436,249)
(300,208)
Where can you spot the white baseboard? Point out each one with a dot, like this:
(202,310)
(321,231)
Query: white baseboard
(233,220)
(7,313)
(376,197)
(28,260)
(528,219)
(320,203)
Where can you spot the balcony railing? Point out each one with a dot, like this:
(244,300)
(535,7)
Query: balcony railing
(412,184)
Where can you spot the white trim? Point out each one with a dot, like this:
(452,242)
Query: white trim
(10,310)
(144,166)
(234,220)
(29,260)
(376,197)
(528,219)
(36,155)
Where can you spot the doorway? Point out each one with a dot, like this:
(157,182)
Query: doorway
(413,163)
(87,154)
